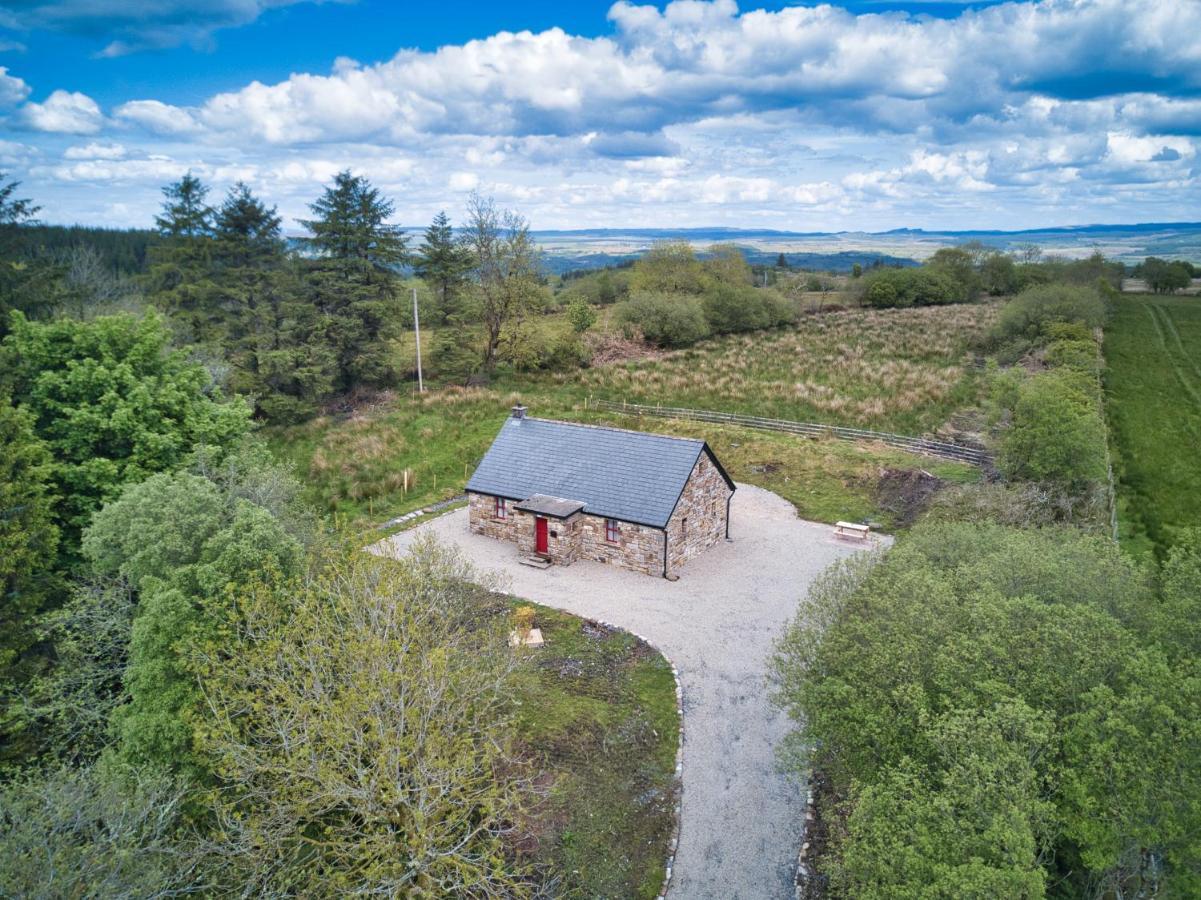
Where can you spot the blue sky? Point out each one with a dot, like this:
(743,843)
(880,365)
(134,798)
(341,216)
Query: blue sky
(867,115)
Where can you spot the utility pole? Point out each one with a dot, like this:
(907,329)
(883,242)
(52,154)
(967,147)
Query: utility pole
(417,331)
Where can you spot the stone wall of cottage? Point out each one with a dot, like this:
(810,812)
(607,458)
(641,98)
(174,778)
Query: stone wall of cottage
(562,535)
(637,547)
(698,523)
(481,518)
(699,520)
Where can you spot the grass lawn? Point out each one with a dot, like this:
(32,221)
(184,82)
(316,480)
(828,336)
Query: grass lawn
(596,712)
(1153,387)
(899,370)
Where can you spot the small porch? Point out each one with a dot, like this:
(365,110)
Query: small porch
(548,529)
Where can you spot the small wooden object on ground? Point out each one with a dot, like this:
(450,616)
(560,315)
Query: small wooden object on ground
(525,634)
(852,530)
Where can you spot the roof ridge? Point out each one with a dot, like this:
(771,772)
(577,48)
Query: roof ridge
(654,434)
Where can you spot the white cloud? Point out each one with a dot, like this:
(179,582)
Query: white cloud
(1127,148)
(695,60)
(463,181)
(95,151)
(157,117)
(64,112)
(12,89)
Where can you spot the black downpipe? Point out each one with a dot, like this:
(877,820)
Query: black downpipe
(728,499)
(664,552)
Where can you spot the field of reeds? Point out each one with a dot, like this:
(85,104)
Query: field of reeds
(903,370)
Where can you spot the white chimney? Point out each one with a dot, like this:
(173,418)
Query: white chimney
(518,411)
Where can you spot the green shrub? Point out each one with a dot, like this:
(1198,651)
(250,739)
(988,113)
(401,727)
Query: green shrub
(912,287)
(1057,435)
(1079,356)
(1034,310)
(732,308)
(959,266)
(668,320)
(882,292)
(987,702)
(581,315)
(1067,331)
(998,274)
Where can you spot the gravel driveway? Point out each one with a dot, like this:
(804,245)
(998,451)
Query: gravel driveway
(741,818)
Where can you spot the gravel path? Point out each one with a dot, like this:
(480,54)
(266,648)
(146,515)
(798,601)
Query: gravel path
(740,818)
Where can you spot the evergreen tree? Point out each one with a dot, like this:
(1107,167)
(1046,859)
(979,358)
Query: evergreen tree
(246,231)
(113,403)
(352,284)
(273,339)
(179,279)
(350,226)
(185,214)
(25,284)
(444,263)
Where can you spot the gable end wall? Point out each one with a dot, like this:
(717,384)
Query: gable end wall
(704,503)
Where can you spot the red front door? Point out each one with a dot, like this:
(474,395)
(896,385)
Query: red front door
(540,535)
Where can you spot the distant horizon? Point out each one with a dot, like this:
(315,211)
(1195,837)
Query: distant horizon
(742,229)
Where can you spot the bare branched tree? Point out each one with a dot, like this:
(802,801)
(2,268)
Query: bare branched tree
(506,271)
(357,728)
(98,831)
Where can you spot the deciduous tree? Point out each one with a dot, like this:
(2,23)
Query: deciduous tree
(357,727)
(113,403)
(507,275)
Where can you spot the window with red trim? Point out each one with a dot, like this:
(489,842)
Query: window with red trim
(612,531)
(502,510)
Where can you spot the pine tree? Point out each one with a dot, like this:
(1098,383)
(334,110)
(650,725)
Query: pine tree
(272,336)
(352,283)
(185,214)
(443,262)
(351,225)
(25,284)
(180,272)
(247,232)
(28,535)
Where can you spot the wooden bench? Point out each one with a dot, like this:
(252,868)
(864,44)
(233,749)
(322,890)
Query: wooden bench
(852,530)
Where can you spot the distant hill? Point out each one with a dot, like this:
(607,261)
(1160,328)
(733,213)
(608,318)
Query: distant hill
(840,250)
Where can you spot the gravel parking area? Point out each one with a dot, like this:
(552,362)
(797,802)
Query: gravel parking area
(741,818)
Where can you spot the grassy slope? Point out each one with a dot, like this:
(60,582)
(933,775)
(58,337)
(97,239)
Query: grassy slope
(897,369)
(1153,382)
(891,370)
(597,709)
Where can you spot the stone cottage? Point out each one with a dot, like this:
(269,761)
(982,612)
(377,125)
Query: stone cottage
(562,491)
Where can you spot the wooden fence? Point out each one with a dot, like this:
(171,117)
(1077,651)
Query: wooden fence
(942,449)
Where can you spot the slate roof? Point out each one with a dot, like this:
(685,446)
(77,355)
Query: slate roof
(557,507)
(628,475)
